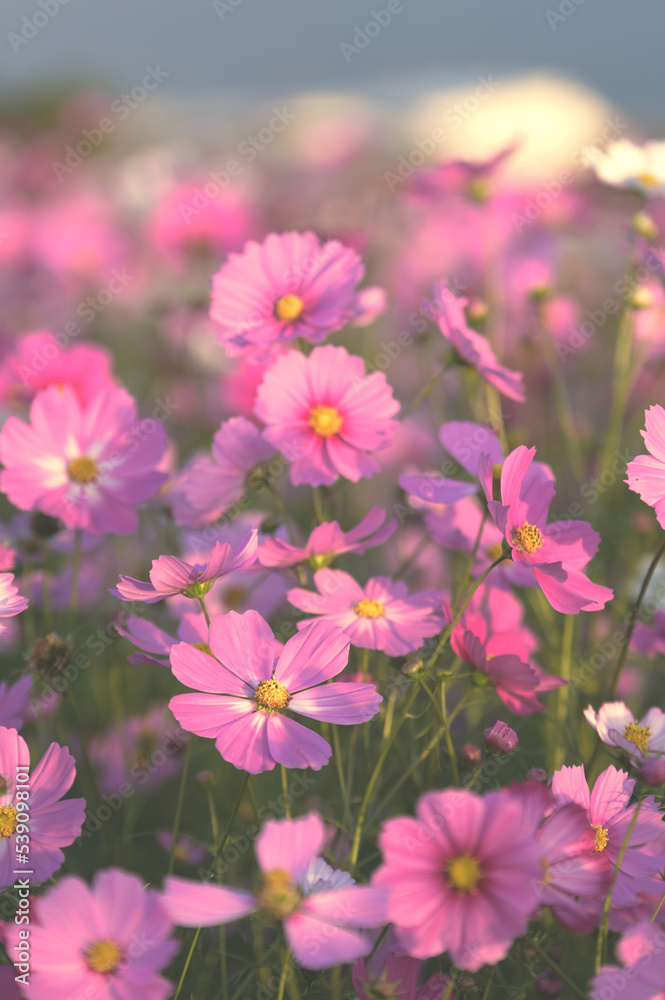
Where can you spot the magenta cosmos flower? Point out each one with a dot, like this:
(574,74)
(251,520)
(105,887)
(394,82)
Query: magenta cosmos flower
(211,486)
(246,692)
(53,824)
(325,415)
(610,816)
(504,659)
(617,727)
(391,973)
(10,602)
(328,541)
(170,575)
(646,473)
(320,907)
(107,941)
(642,952)
(380,615)
(462,877)
(448,310)
(90,467)
(557,552)
(286,287)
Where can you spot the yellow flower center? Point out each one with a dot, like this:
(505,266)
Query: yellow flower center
(234,596)
(325,421)
(82,469)
(8,821)
(649,180)
(494,551)
(271,696)
(279,895)
(204,647)
(289,308)
(639,735)
(527,538)
(369,609)
(464,873)
(601,837)
(103,956)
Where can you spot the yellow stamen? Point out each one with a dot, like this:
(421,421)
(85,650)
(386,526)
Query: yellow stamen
(204,647)
(279,895)
(82,469)
(103,956)
(639,735)
(325,421)
(289,308)
(271,696)
(8,821)
(547,872)
(601,837)
(464,873)
(369,609)
(527,538)
(649,180)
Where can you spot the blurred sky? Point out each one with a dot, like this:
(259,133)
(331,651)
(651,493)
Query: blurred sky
(271,48)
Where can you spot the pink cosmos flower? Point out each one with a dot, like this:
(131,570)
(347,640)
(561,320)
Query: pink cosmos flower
(325,415)
(617,727)
(646,473)
(155,643)
(53,824)
(10,603)
(575,877)
(505,659)
(90,467)
(144,751)
(107,941)
(642,952)
(461,877)
(39,361)
(389,972)
(380,615)
(210,487)
(246,692)
(321,908)
(448,310)
(170,575)
(556,553)
(328,541)
(289,286)
(609,816)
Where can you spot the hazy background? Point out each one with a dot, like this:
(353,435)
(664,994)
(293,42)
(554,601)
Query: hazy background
(271,48)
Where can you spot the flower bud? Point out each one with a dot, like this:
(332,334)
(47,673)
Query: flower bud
(206,779)
(645,226)
(537,774)
(412,665)
(652,771)
(500,740)
(50,655)
(465,983)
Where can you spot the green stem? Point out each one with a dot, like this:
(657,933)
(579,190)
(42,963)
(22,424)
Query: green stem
(284,514)
(563,694)
(475,774)
(178,808)
(450,987)
(340,775)
(447,632)
(448,737)
(285,971)
(620,383)
(285,790)
(424,392)
(406,774)
(90,769)
(202,602)
(602,931)
(187,962)
(562,404)
(76,571)
(555,968)
(466,577)
(633,618)
(318,505)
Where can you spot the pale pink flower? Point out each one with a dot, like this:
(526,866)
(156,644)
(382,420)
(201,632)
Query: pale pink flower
(10,602)
(646,473)
(327,541)
(325,415)
(618,727)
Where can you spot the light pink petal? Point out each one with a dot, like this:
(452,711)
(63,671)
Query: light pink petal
(319,945)
(294,745)
(290,844)
(318,652)
(343,703)
(198,904)
(244,644)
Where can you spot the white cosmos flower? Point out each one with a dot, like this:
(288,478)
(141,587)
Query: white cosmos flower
(638,168)
(617,727)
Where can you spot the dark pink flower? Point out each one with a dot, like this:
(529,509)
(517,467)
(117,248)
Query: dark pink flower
(246,691)
(327,541)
